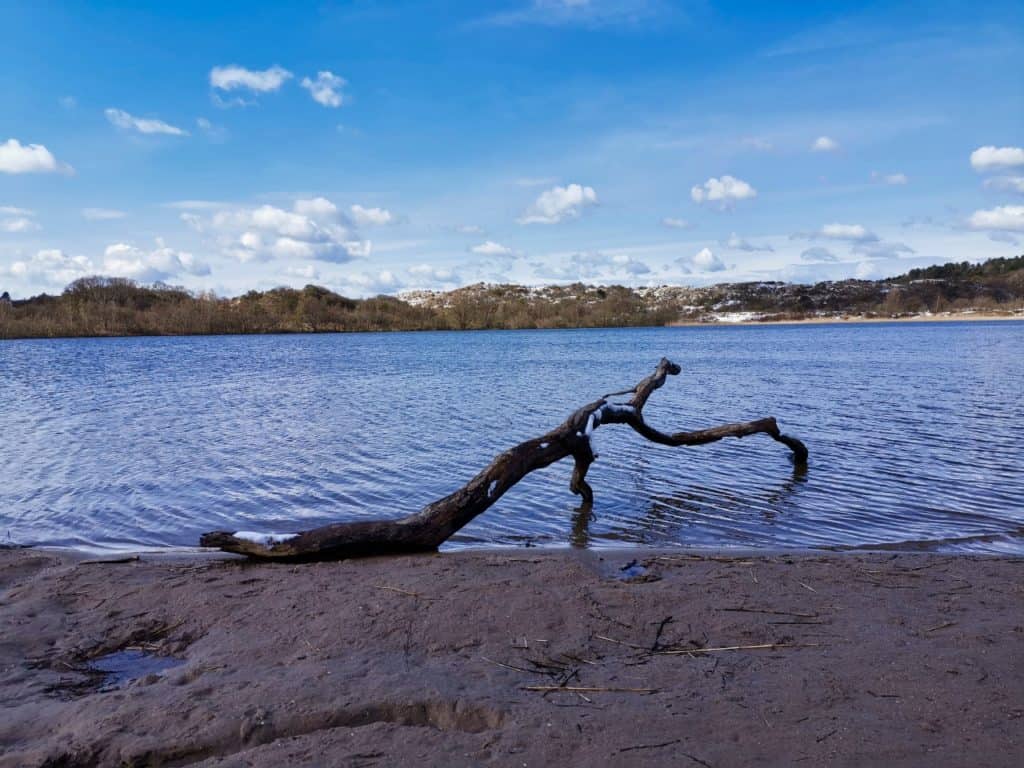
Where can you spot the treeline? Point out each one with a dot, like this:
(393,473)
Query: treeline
(964,269)
(101,306)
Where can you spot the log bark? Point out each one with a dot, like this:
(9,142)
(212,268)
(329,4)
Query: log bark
(426,529)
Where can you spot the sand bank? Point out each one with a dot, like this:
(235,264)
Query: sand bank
(516,658)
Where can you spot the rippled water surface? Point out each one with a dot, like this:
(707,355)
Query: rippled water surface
(914,432)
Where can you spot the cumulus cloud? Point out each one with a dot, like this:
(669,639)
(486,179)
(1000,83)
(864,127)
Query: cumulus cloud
(161,263)
(326,89)
(122,119)
(818,253)
(705,261)
(313,230)
(560,203)
(725,191)
(825,144)
(491,248)
(740,244)
(673,223)
(371,216)
(1008,218)
(52,267)
(235,78)
(16,157)
(1013,184)
(990,158)
(102,214)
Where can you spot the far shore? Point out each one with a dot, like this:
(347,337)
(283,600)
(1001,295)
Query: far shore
(945,317)
(524,657)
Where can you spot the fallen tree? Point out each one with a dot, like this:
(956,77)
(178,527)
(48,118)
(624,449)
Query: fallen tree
(427,529)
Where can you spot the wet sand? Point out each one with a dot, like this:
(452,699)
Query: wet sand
(517,658)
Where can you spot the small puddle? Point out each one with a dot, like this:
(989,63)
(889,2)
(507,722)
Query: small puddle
(632,570)
(122,667)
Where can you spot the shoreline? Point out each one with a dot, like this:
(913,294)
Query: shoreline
(953,317)
(848,320)
(472,657)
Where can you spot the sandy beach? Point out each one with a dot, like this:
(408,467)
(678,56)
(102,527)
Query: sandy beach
(514,657)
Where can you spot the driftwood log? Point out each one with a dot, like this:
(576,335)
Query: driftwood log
(427,529)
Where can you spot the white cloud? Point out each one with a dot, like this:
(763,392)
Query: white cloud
(705,261)
(371,216)
(725,191)
(162,263)
(491,248)
(469,229)
(594,266)
(1006,184)
(427,274)
(825,144)
(560,203)
(818,253)
(236,78)
(316,207)
(740,244)
(304,271)
(197,205)
(989,158)
(102,214)
(18,225)
(1009,218)
(587,13)
(128,122)
(672,223)
(68,102)
(881,249)
(326,89)
(16,157)
(371,283)
(52,267)
(313,229)
(11,210)
(853,233)
(892,179)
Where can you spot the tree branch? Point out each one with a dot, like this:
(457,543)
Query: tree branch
(435,523)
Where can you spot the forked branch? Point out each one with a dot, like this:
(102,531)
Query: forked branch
(428,528)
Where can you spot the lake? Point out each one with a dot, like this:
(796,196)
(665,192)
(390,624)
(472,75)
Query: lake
(914,432)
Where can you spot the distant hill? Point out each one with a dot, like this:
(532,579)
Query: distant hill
(100,306)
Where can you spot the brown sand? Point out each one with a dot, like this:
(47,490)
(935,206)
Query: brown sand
(879,659)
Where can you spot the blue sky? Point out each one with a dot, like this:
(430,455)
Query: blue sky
(382,147)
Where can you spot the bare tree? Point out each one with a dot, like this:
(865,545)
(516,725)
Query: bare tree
(432,525)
